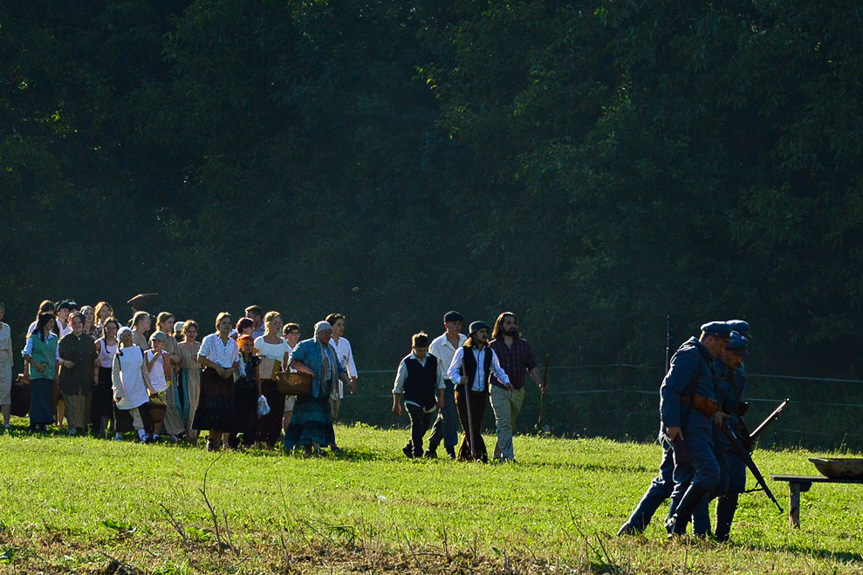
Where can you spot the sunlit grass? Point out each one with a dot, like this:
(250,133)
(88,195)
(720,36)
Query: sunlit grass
(562,501)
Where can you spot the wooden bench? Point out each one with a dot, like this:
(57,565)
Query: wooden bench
(798,483)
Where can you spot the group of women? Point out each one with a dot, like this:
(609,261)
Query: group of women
(160,381)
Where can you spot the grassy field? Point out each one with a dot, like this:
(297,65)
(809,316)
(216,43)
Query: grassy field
(95,506)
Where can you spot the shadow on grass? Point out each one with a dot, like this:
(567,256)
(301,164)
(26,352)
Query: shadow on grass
(842,556)
(594,466)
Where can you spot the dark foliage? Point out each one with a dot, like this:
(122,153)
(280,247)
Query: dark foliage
(592,166)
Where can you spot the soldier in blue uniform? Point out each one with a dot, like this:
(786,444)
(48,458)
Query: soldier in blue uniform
(690,365)
(689,412)
(729,397)
(726,505)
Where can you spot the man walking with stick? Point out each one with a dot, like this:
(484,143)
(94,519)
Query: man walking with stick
(517,360)
(470,369)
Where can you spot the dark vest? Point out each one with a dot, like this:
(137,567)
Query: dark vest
(421,382)
(468,365)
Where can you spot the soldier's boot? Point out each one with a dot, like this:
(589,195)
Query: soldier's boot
(677,523)
(725,508)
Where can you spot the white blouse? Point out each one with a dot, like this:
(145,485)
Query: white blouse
(222,354)
(275,351)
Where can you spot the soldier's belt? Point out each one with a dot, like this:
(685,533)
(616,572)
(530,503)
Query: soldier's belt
(701,403)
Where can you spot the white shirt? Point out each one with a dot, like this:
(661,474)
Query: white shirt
(480,380)
(157,371)
(275,351)
(346,357)
(222,354)
(402,375)
(442,349)
(106,352)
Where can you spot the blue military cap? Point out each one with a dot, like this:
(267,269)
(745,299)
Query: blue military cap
(478,325)
(716,328)
(738,344)
(741,326)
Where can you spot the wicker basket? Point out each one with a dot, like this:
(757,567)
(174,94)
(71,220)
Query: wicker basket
(298,383)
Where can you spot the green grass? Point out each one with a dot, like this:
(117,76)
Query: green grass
(99,506)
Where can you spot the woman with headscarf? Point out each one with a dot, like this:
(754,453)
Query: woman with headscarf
(247,394)
(220,357)
(132,388)
(77,352)
(5,368)
(312,423)
(102,406)
(40,355)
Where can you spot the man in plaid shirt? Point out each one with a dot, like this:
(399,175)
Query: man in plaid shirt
(517,360)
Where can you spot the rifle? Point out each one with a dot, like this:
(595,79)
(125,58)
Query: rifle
(770,419)
(669,343)
(542,394)
(742,453)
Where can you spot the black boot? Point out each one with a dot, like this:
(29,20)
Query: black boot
(677,523)
(725,508)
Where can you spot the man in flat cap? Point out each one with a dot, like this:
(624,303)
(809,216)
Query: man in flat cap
(443,347)
(471,367)
(693,470)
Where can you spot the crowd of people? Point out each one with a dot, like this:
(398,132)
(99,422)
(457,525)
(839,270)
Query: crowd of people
(153,378)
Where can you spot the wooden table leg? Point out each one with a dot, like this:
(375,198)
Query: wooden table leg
(794,504)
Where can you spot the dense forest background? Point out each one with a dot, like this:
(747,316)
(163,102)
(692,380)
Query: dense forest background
(590,165)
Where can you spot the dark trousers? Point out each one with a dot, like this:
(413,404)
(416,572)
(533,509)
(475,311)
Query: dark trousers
(660,489)
(420,421)
(445,428)
(123,419)
(270,425)
(478,399)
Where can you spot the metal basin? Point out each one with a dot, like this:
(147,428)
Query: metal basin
(839,467)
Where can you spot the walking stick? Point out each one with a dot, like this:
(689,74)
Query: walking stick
(542,393)
(470,441)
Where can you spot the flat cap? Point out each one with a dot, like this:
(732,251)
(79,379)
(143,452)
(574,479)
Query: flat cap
(452,316)
(716,328)
(478,325)
(159,336)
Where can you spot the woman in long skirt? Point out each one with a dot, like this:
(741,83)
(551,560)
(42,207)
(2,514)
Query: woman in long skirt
(220,357)
(102,408)
(312,423)
(174,424)
(189,378)
(274,348)
(40,355)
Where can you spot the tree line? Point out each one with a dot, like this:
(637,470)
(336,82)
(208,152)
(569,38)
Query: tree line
(589,165)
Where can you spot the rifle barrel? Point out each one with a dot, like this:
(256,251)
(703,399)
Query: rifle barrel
(770,419)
